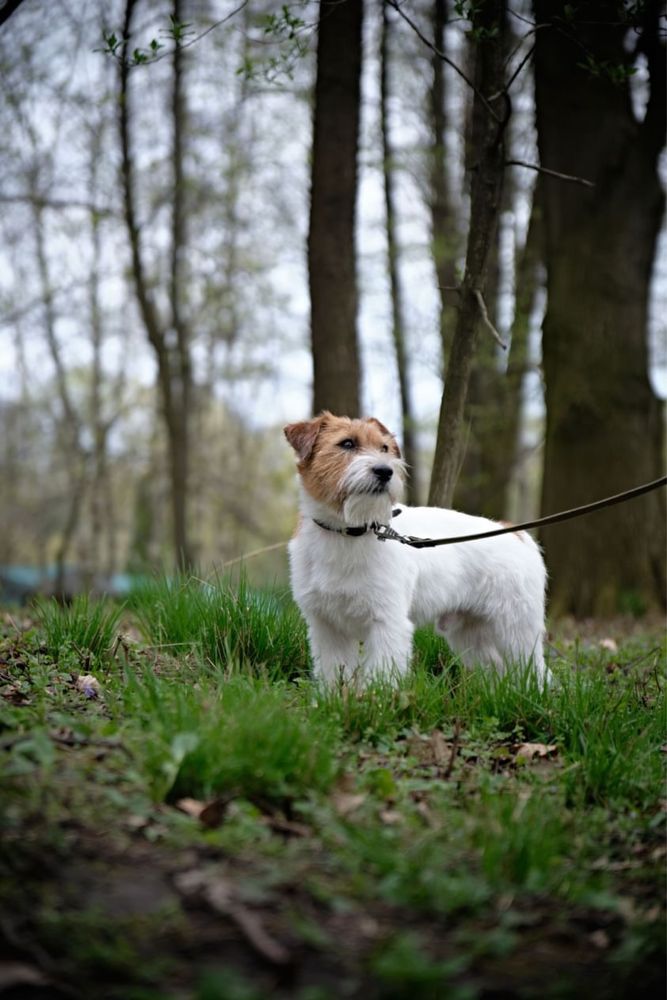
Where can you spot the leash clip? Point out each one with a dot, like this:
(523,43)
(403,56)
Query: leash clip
(383,531)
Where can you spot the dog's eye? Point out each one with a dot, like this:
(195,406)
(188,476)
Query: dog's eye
(384,448)
(347,443)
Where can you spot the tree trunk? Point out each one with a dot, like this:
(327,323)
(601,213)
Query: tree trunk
(445,222)
(171,345)
(528,284)
(331,240)
(490,115)
(495,396)
(603,420)
(180,438)
(75,457)
(397,311)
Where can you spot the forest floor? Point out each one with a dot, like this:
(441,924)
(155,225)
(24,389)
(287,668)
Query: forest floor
(178,822)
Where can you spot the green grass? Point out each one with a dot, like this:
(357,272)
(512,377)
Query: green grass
(84,627)
(239,737)
(405,815)
(223,624)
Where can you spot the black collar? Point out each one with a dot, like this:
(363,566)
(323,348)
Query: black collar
(353,532)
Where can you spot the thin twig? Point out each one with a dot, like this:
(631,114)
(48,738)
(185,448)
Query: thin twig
(519,68)
(255,552)
(487,322)
(445,58)
(550,173)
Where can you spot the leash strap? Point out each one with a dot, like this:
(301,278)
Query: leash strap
(384,532)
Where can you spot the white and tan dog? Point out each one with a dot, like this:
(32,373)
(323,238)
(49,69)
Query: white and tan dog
(485,597)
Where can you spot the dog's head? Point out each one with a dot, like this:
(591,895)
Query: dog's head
(351,466)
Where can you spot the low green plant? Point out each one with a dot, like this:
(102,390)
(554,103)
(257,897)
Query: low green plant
(224,624)
(611,736)
(242,737)
(85,626)
(404,969)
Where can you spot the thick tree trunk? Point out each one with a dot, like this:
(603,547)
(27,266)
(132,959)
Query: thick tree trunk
(603,420)
(331,241)
(397,311)
(490,112)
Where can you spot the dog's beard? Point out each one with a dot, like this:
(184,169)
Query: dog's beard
(366,508)
(366,498)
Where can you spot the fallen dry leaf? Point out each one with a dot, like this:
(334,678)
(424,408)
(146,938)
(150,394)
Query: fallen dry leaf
(390,816)
(210,814)
(136,822)
(430,750)
(425,812)
(15,975)
(346,803)
(440,747)
(88,685)
(193,807)
(600,939)
(529,751)
(14,694)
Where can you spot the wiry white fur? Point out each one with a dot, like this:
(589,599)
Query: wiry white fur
(485,597)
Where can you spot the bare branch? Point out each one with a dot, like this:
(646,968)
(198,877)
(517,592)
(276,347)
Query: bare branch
(550,173)
(445,58)
(519,68)
(487,322)
(54,203)
(6,319)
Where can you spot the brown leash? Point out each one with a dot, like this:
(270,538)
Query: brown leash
(384,532)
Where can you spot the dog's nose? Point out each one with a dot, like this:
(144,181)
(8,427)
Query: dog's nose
(383,473)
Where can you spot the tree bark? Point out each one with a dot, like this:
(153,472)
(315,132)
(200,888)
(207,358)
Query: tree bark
(604,429)
(490,115)
(331,240)
(397,310)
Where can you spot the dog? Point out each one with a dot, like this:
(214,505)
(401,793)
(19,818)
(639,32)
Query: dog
(362,597)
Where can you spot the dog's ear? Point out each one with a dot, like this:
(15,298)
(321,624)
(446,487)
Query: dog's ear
(302,436)
(385,430)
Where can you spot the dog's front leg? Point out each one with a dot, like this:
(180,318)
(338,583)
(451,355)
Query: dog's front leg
(387,649)
(335,654)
